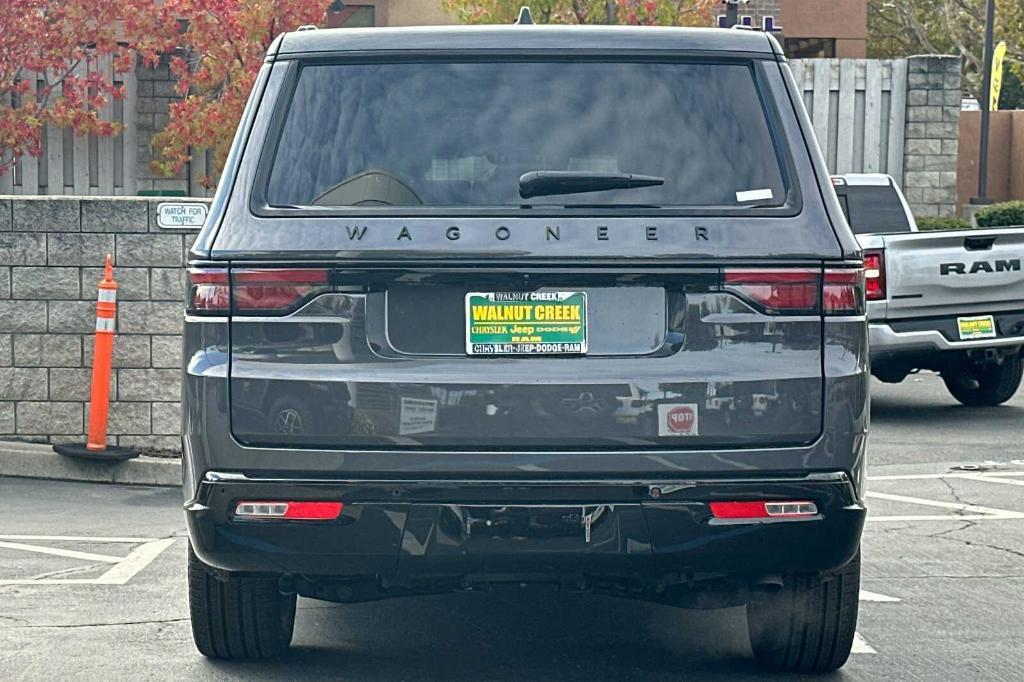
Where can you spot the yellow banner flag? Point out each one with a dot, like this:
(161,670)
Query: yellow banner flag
(997,75)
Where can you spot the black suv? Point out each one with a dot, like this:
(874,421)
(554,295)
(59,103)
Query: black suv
(526,304)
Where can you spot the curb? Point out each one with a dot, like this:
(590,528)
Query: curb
(32,460)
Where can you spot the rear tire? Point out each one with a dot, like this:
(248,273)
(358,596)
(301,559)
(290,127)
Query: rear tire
(985,385)
(238,617)
(808,626)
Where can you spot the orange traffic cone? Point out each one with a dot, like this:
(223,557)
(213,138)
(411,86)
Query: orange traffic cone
(103,354)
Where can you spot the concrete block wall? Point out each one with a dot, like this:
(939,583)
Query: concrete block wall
(932,135)
(52,251)
(155,93)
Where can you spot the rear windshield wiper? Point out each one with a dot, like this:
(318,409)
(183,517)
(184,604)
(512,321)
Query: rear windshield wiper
(545,182)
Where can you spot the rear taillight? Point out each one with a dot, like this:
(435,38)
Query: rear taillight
(800,291)
(874,275)
(760,509)
(275,292)
(781,291)
(295,511)
(843,292)
(208,292)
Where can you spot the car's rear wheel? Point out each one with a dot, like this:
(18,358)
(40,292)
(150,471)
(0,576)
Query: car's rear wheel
(808,625)
(238,617)
(985,385)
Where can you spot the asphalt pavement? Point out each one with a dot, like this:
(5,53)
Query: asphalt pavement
(92,585)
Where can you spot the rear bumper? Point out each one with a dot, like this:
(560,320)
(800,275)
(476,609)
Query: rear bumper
(401,531)
(886,340)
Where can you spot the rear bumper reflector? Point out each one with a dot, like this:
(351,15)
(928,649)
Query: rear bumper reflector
(296,511)
(762,509)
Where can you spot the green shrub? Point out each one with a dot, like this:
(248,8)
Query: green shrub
(1007,214)
(932,223)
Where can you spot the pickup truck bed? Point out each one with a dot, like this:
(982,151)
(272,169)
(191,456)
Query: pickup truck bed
(932,278)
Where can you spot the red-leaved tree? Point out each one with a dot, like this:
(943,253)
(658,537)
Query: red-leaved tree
(217,54)
(50,56)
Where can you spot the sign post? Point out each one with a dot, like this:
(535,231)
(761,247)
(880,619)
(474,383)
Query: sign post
(985,101)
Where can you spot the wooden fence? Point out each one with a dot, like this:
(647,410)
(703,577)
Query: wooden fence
(858,109)
(86,165)
(96,166)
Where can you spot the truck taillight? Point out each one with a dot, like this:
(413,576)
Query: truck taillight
(777,291)
(208,292)
(275,291)
(843,292)
(874,275)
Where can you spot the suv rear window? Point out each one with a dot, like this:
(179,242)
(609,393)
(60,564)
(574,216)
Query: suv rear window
(462,133)
(874,209)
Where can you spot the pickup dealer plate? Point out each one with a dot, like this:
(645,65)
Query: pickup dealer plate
(977,327)
(526,323)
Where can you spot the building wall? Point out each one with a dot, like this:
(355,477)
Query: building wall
(51,256)
(405,12)
(844,20)
(417,13)
(1005,156)
(754,12)
(762,8)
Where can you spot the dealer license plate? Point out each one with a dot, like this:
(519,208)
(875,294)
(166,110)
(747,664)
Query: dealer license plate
(977,327)
(526,323)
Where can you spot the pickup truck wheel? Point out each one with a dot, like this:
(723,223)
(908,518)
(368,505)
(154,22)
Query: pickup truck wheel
(238,617)
(807,626)
(985,385)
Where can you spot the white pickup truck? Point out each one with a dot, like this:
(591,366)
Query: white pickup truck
(947,301)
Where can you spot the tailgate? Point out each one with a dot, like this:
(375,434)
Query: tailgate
(377,357)
(959,272)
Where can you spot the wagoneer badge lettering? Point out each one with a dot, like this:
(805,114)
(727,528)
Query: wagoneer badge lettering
(602,233)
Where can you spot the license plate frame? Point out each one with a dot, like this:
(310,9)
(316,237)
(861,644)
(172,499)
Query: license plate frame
(508,324)
(974,327)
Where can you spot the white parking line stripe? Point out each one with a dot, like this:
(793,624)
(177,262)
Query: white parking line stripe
(874,596)
(860,646)
(76,538)
(985,478)
(124,569)
(947,517)
(48,581)
(68,553)
(1003,513)
(138,559)
(921,477)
